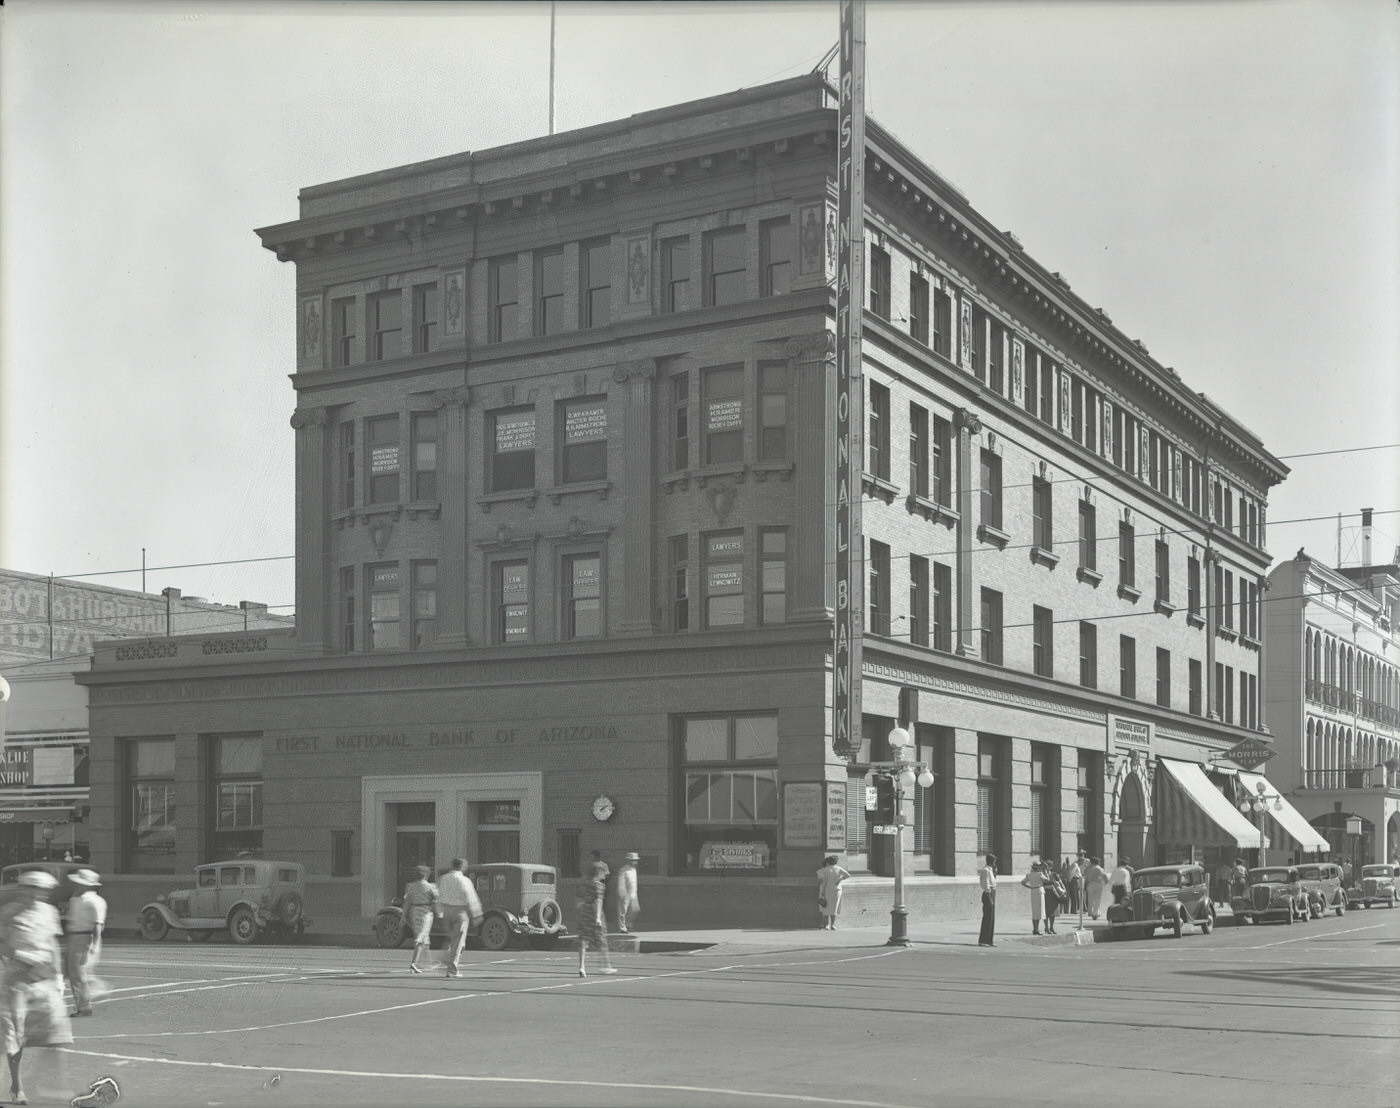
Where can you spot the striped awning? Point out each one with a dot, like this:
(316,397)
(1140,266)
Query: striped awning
(1296,833)
(1187,808)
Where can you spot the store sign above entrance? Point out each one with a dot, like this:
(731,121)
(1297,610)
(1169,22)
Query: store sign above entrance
(1249,753)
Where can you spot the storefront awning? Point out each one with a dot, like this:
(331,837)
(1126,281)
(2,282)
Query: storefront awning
(35,815)
(1188,809)
(1297,832)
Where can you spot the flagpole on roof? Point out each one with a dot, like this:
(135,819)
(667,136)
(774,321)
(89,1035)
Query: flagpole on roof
(551,66)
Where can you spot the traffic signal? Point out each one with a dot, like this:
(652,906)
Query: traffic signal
(884,799)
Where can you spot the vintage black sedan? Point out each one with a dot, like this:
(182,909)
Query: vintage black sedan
(1273,892)
(1376,885)
(1165,896)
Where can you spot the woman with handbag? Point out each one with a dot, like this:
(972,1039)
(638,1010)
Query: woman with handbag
(1036,882)
(1056,896)
(829,879)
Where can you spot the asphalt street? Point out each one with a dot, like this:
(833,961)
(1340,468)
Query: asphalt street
(1256,1014)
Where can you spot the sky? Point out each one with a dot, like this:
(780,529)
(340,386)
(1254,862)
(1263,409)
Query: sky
(1222,178)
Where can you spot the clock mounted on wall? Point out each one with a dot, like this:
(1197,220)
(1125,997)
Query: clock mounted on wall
(604,808)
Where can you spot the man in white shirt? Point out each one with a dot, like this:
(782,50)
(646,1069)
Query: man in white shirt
(85,917)
(987,876)
(1119,880)
(461,909)
(627,903)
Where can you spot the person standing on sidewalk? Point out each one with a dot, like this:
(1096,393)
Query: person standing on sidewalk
(461,910)
(1036,882)
(1074,880)
(987,877)
(829,879)
(1120,879)
(420,902)
(627,903)
(87,916)
(1095,880)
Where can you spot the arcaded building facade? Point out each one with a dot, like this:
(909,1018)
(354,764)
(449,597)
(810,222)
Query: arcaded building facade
(562,426)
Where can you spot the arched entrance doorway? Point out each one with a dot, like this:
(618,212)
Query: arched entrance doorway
(1132,822)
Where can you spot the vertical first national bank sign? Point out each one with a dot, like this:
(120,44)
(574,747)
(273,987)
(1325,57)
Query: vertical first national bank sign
(849,540)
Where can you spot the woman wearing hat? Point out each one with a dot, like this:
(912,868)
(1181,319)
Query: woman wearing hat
(627,903)
(1036,881)
(87,916)
(32,1013)
(588,917)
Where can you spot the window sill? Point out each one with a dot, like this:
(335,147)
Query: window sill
(994,535)
(1252,643)
(931,510)
(1163,607)
(878,486)
(512,496)
(1091,576)
(579,488)
(764,470)
(1193,619)
(1227,633)
(1045,557)
(1127,592)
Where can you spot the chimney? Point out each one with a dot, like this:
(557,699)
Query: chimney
(1365,536)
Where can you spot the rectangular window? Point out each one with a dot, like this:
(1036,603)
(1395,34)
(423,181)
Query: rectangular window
(918,450)
(1127,558)
(1043,641)
(340,853)
(1088,537)
(386,325)
(942,323)
(1042,517)
(680,583)
(236,800)
(425,433)
(383,582)
(343,331)
(426,307)
(1193,686)
(583,596)
(1088,655)
(724,579)
(512,459)
(879,588)
(1193,586)
(549,291)
(1032,390)
(724,414)
(583,440)
(1076,411)
(595,310)
(150,819)
(991,627)
(347,613)
(1089,801)
(775,257)
(511,602)
(772,411)
(1228,685)
(503,290)
(993,796)
(991,490)
(979,344)
(996,359)
(726,266)
(424,605)
(918,600)
(383,435)
(1044,810)
(943,462)
(680,421)
(1164,678)
(879,431)
(347,467)
(1227,604)
(730,784)
(942,606)
(675,274)
(1049,371)
(879,282)
(1164,573)
(918,308)
(1127,666)
(772,574)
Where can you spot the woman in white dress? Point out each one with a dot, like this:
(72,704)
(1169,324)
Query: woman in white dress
(829,879)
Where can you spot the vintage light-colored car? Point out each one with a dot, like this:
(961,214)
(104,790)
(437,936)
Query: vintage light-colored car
(1376,885)
(250,897)
(1273,891)
(1165,896)
(1322,881)
(516,900)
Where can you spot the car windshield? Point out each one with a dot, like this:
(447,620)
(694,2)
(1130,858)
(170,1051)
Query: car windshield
(1268,876)
(1377,871)
(1156,879)
(1309,873)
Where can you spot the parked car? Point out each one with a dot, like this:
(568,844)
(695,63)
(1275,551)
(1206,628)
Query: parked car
(1376,885)
(1165,896)
(1273,891)
(516,900)
(1322,881)
(58,897)
(250,897)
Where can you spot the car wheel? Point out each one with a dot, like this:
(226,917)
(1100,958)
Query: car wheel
(243,926)
(153,926)
(200,936)
(1315,909)
(1291,913)
(389,931)
(290,909)
(544,942)
(1341,908)
(495,933)
(1389,903)
(1207,922)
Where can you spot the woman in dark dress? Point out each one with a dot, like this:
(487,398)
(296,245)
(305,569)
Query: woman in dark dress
(589,920)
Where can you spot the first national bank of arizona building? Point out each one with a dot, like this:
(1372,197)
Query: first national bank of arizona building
(564,524)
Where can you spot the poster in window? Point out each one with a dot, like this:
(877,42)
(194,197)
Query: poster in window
(515,432)
(639,270)
(747,855)
(586,423)
(725,415)
(454,303)
(836,815)
(384,459)
(802,814)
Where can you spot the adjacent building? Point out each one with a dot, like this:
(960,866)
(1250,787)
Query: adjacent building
(563,431)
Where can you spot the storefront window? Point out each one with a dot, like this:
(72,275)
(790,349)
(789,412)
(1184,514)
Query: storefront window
(150,822)
(235,774)
(730,821)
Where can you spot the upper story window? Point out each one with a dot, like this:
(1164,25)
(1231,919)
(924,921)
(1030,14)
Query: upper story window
(347,604)
(680,583)
(724,414)
(942,323)
(1088,655)
(675,274)
(1193,587)
(772,574)
(1031,395)
(726,266)
(425,433)
(427,305)
(503,293)
(383,435)
(383,581)
(879,437)
(772,411)
(1042,641)
(775,257)
(583,593)
(424,604)
(918,308)
(583,450)
(512,449)
(510,587)
(680,421)
(343,331)
(996,358)
(979,344)
(1127,555)
(347,467)
(549,291)
(1164,572)
(724,579)
(386,325)
(943,462)
(880,592)
(1088,536)
(596,284)
(991,489)
(991,632)
(879,282)
(1042,514)
(918,450)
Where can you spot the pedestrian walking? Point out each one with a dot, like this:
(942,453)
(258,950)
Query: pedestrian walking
(1095,881)
(1036,882)
(1120,879)
(1239,878)
(420,908)
(589,921)
(987,878)
(32,1012)
(1074,881)
(1055,896)
(628,905)
(86,917)
(829,879)
(461,911)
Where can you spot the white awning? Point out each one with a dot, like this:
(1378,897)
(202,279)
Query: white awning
(1298,833)
(1188,809)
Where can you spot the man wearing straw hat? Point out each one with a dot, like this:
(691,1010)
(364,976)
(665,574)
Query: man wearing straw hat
(86,916)
(627,903)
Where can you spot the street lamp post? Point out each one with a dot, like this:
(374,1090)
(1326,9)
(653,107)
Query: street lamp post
(1258,804)
(903,771)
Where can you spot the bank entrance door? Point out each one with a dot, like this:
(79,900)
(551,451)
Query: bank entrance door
(415,842)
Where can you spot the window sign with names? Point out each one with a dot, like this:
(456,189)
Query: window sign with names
(384,459)
(515,432)
(835,815)
(586,423)
(802,814)
(725,415)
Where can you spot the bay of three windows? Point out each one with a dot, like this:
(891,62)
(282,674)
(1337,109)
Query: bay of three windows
(390,324)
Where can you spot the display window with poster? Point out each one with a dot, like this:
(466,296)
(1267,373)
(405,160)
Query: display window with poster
(729,823)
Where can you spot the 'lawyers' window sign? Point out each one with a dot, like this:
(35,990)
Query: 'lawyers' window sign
(515,432)
(585,423)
